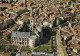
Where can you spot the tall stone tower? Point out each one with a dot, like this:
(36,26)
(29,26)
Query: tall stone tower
(31,20)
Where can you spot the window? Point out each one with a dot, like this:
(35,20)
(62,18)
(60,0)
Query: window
(19,39)
(79,42)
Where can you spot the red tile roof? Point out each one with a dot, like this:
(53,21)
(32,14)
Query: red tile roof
(46,17)
(71,21)
(28,3)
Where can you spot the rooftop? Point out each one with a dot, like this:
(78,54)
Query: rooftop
(28,3)
(20,34)
(23,18)
(2,4)
(33,37)
(75,44)
(77,27)
(16,8)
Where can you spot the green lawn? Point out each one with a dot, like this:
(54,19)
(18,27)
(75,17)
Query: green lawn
(13,48)
(2,47)
(3,42)
(42,49)
(47,43)
(47,47)
(24,48)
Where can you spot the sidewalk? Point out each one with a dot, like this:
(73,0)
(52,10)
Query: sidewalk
(62,51)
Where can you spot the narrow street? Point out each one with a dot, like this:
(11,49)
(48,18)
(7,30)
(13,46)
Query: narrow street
(55,47)
(61,48)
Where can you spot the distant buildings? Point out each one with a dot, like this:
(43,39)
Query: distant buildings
(70,37)
(22,1)
(39,14)
(5,5)
(5,20)
(28,3)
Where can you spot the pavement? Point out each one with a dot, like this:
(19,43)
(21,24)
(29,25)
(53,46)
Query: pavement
(61,48)
(26,54)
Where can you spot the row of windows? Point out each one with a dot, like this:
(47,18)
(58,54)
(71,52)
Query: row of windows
(23,39)
(20,42)
(23,42)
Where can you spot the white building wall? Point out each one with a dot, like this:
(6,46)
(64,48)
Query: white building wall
(28,41)
(31,43)
(19,22)
(69,24)
(18,40)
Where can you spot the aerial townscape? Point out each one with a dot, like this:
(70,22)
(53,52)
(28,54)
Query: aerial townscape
(39,27)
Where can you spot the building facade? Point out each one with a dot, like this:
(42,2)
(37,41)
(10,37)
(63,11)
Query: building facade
(23,39)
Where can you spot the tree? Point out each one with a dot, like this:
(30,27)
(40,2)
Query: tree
(4,49)
(10,50)
(73,0)
(0,46)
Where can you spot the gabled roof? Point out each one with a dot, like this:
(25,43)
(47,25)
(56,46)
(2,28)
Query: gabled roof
(20,34)
(28,3)
(71,21)
(2,4)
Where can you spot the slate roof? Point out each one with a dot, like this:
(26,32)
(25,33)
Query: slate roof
(20,34)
